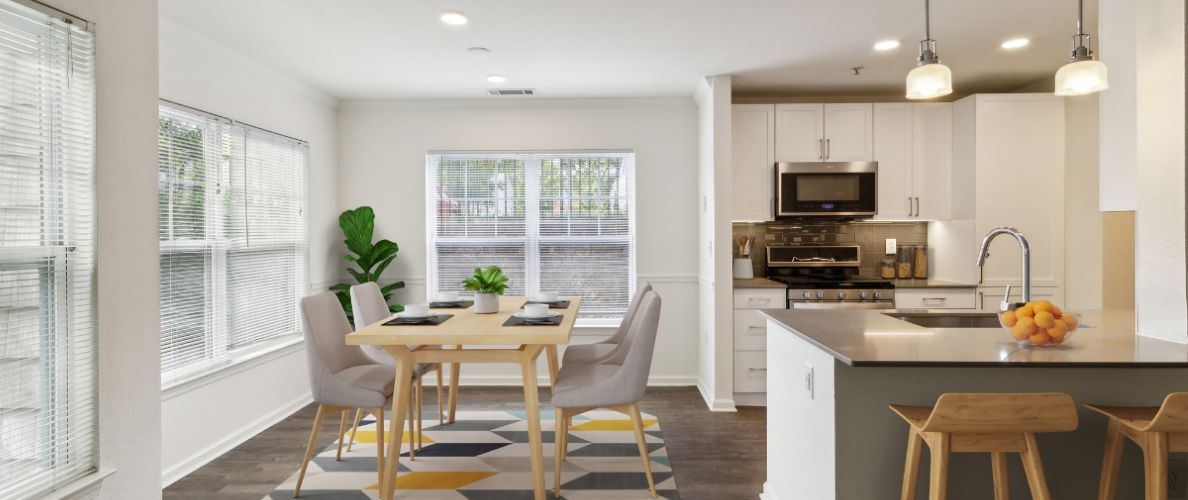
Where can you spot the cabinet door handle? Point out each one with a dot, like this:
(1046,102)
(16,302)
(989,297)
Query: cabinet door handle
(828,149)
(909,206)
(820,149)
(917,206)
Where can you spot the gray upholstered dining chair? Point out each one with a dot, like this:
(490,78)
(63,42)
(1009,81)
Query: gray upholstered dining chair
(369,306)
(583,387)
(606,349)
(341,376)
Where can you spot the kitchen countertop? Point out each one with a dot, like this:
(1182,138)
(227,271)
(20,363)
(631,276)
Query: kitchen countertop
(860,337)
(758,283)
(931,283)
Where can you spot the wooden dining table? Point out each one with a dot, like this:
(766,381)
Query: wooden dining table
(475,338)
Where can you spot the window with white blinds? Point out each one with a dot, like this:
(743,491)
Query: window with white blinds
(561,222)
(47,251)
(233,239)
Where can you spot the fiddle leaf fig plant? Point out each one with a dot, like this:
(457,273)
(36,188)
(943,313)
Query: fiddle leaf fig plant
(370,259)
(487,280)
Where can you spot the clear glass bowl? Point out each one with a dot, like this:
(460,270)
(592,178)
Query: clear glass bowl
(1023,321)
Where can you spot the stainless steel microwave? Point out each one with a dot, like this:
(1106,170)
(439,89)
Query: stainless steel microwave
(829,189)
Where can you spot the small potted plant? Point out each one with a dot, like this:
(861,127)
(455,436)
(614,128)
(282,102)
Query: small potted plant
(487,284)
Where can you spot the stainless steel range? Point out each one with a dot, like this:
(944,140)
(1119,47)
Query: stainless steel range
(827,277)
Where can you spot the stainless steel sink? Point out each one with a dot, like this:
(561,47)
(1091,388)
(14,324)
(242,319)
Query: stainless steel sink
(948,319)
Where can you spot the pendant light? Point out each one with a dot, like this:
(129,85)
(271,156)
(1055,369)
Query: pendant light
(1082,75)
(930,78)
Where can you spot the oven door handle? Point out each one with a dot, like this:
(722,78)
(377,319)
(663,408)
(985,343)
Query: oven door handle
(842,305)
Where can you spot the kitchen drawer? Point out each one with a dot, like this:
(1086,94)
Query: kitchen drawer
(761,298)
(935,298)
(750,371)
(750,330)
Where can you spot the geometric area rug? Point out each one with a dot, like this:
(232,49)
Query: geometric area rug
(484,455)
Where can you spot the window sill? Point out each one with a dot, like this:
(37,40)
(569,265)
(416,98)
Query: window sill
(83,488)
(241,362)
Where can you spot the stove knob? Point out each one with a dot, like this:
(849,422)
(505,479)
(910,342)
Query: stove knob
(841,295)
(878,295)
(820,295)
(862,295)
(808,294)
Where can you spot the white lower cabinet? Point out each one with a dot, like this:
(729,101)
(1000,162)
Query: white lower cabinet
(750,342)
(936,298)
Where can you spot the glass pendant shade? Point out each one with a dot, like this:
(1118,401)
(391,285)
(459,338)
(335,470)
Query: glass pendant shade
(928,81)
(1081,77)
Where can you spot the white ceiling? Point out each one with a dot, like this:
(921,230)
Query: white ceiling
(360,49)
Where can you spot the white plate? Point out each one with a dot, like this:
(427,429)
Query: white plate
(524,315)
(409,316)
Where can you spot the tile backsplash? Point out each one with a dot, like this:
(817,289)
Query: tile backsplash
(871,236)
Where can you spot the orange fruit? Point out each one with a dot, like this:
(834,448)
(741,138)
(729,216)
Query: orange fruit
(1071,321)
(1039,338)
(1044,319)
(1057,312)
(1041,305)
(1025,311)
(1008,319)
(1024,328)
(1058,331)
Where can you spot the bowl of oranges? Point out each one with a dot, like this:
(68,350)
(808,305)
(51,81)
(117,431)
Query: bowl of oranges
(1038,323)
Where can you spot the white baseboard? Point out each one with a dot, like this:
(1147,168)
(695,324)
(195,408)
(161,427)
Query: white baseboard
(725,404)
(209,453)
(767,493)
(543,380)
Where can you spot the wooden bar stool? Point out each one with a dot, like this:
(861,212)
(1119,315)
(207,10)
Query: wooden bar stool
(995,423)
(1157,430)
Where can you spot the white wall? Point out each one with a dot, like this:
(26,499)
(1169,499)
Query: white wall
(382,146)
(201,420)
(126,183)
(1115,47)
(715,378)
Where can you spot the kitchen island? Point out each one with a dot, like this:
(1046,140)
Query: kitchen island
(832,373)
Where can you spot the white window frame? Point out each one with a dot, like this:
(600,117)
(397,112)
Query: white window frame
(197,374)
(531,238)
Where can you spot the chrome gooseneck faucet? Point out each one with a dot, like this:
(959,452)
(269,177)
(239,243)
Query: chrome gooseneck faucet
(985,252)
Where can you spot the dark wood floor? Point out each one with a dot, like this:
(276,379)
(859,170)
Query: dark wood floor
(716,456)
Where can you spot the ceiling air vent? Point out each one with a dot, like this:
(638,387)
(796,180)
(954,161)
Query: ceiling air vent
(511,91)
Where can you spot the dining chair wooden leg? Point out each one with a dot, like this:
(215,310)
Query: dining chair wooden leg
(559,448)
(1111,462)
(440,400)
(379,444)
(1033,465)
(346,413)
(455,372)
(420,412)
(911,465)
(1002,483)
(568,424)
(355,428)
(642,442)
(939,449)
(1155,464)
(309,448)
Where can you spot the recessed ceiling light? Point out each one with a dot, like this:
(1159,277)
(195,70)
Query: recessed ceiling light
(453,18)
(886,45)
(1015,43)
(496,78)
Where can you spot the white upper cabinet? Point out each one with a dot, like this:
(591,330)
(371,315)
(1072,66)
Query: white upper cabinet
(849,132)
(913,145)
(893,151)
(800,132)
(752,161)
(932,159)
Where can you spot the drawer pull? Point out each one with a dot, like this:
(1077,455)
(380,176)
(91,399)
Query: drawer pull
(938,299)
(756,369)
(761,329)
(758,300)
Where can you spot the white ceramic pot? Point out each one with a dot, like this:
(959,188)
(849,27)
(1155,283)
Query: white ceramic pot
(486,303)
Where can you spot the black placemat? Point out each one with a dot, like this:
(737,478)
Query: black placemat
(462,304)
(549,321)
(560,304)
(436,319)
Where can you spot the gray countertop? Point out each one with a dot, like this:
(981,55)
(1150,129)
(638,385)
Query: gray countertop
(870,338)
(758,283)
(932,283)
